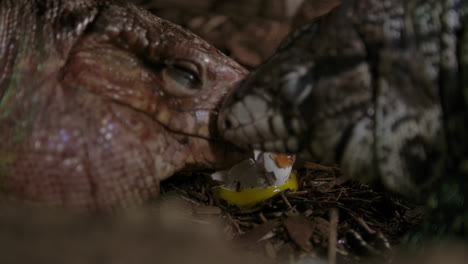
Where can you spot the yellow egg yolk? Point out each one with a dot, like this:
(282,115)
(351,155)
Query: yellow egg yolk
(249,197)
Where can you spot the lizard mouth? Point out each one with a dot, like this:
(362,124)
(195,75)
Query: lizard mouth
(197,131)
(272,132)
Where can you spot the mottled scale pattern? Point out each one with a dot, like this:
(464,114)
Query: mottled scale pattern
(375,86)
(100,101)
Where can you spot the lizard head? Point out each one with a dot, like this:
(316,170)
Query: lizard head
(121,100)
(330,97)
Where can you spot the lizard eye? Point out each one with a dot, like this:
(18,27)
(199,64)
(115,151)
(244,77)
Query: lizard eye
(182,78)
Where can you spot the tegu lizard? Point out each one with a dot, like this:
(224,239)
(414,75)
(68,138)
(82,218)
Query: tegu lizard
(378,87)
(100,101)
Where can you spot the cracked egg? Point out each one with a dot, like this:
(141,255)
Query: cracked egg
(256,179)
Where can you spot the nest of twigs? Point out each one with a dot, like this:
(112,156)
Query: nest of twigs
(365,222)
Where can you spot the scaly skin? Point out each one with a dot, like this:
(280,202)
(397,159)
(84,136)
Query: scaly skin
(378,87)
(101,101)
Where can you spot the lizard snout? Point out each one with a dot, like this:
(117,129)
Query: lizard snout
(252,123)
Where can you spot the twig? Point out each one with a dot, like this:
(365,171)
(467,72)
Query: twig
(363,224)
(316,166)
(332,238)
(285,199)
(262,217)
(189,200)
(235,224)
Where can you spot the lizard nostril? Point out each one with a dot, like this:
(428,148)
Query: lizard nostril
(227,124)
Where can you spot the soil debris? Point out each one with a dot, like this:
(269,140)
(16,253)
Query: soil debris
(297,224)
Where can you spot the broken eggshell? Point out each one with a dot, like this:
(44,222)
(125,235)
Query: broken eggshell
(256,179)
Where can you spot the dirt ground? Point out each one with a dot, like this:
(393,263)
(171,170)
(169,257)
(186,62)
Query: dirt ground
(328,215)
(367,223)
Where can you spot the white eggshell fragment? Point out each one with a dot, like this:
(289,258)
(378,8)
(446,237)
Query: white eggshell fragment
(264,170)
